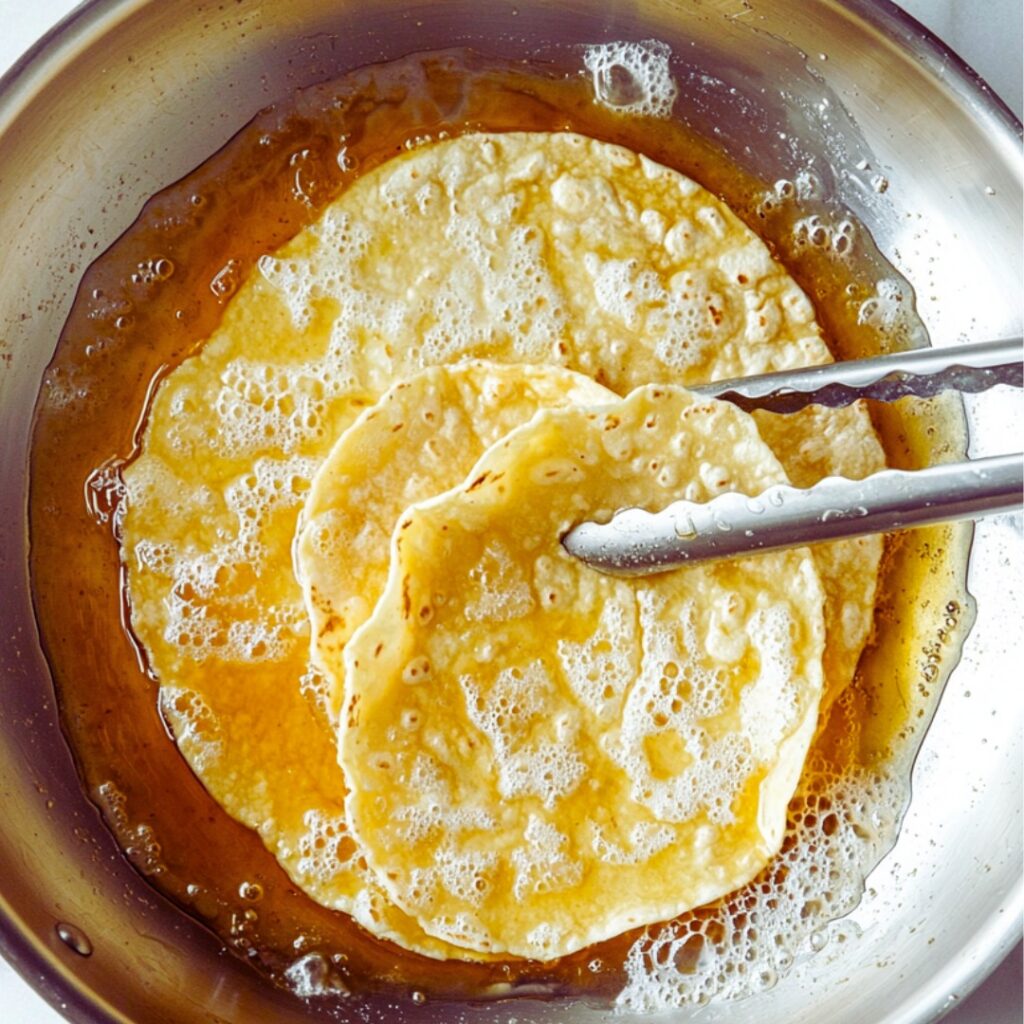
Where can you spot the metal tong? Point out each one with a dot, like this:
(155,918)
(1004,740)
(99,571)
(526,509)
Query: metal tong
(635,542)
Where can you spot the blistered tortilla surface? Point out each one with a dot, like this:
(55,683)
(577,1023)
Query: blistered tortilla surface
(420,439)
(520,248)
(540,756)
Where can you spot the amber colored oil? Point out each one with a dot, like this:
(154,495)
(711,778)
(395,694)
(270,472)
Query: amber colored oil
(148,303)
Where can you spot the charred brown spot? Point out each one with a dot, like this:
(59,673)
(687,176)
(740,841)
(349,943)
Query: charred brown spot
(406,599)
(333,623)
(353,710)
(478,481)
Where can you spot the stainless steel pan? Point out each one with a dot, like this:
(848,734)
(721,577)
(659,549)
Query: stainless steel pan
(127,95)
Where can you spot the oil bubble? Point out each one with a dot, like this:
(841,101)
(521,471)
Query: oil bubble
(633,78)
(252,892)
(74,938)
(225,281)
(312,975)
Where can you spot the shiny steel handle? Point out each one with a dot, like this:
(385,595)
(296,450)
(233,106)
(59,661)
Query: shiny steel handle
(636,543)
(922,373)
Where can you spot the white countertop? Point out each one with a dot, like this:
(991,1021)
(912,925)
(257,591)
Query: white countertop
(992,44)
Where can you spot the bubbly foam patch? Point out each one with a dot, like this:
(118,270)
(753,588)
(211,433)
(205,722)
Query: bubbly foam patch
(890,312)
(600,668)
(341,244)
(543,864)
(645,841)
(257,406)
(326,846)
(677,767)
(202,614)
(194,726)
(499,594)
(312,977)
(633,78)
(837,828)
(687,318)
(611,801)
(515,277)
(505,714)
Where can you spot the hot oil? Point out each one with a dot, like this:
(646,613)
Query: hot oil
(149,302)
